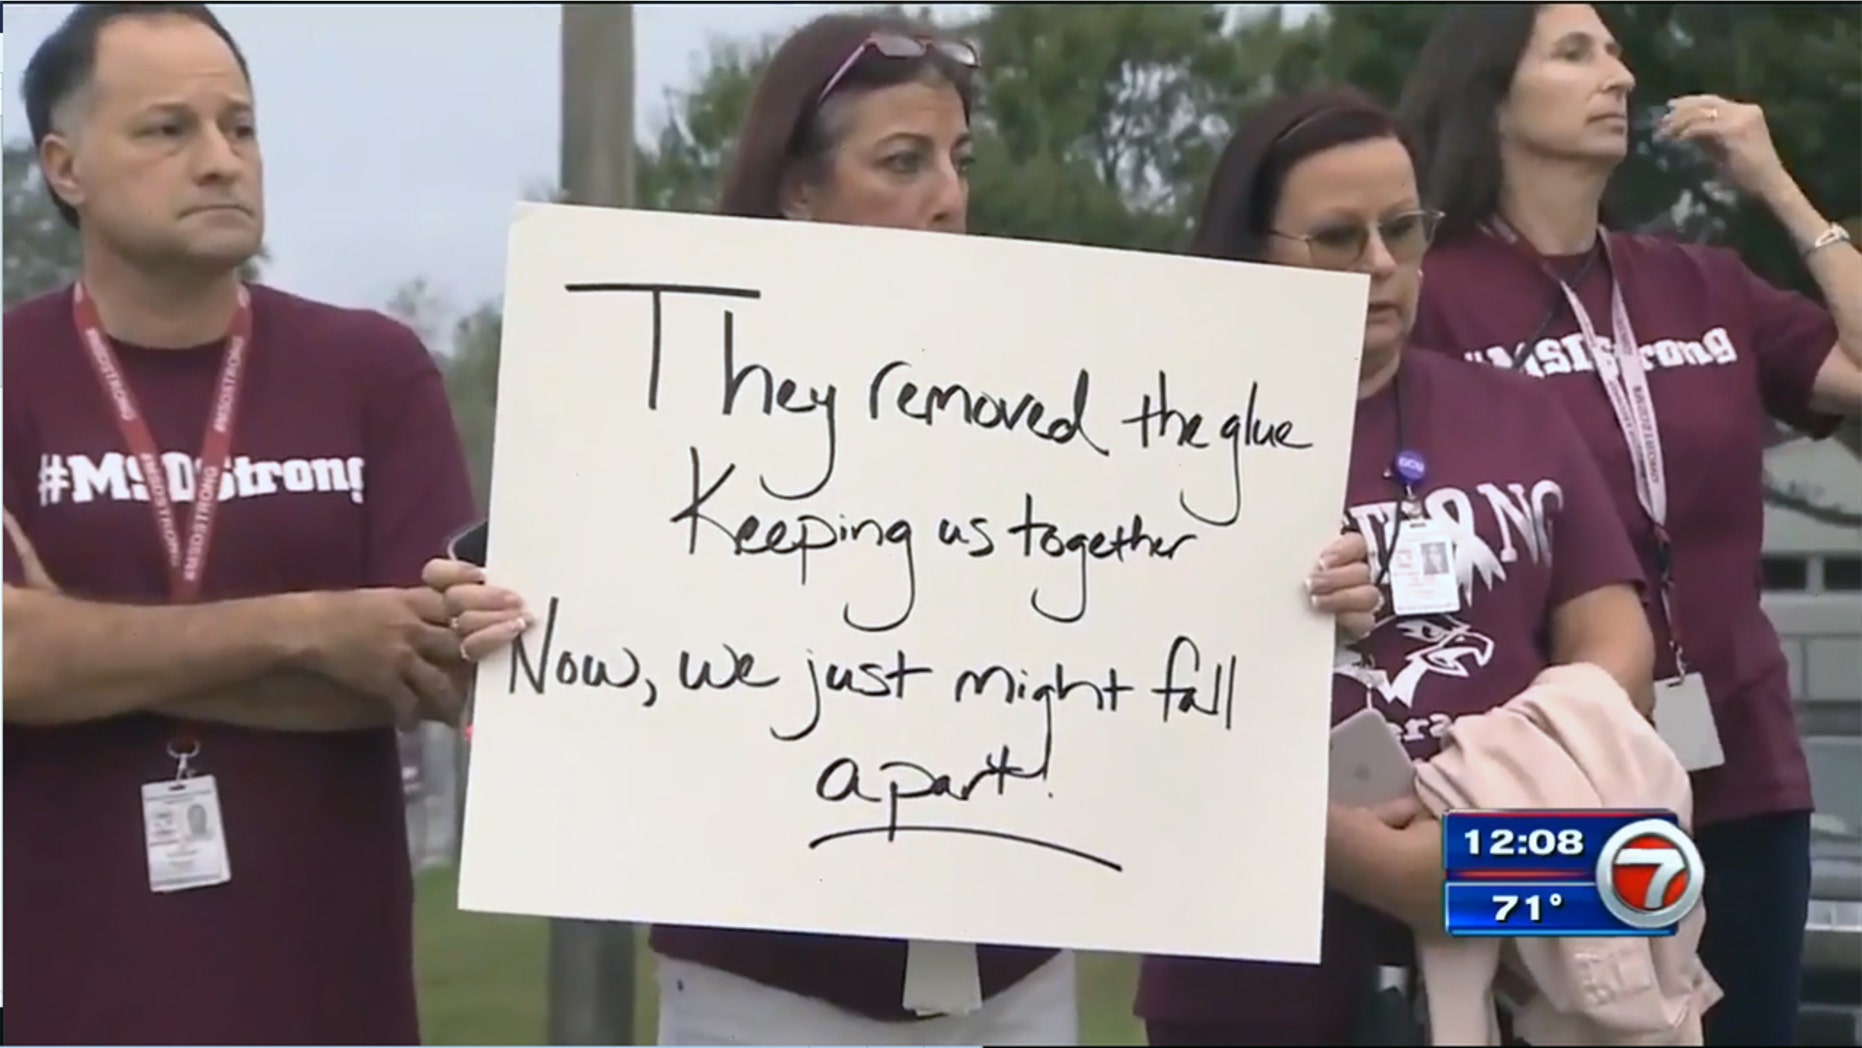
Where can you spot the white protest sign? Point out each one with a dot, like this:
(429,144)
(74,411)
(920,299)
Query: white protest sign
(911,585)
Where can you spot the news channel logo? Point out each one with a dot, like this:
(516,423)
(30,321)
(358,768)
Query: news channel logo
(1586,873)
(1649,874)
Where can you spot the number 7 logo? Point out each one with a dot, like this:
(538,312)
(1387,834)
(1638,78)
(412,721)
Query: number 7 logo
(1649,875)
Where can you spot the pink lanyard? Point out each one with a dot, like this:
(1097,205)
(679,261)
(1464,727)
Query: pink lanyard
(1624,374)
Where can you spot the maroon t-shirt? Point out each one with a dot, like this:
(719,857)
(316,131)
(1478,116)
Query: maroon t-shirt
(347,472)
(1726,353)
(1534,527)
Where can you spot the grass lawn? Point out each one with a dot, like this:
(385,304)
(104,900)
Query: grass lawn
(482,979)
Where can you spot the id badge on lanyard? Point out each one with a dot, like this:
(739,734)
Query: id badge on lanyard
(1417,554)
(1683,708)
(182,827)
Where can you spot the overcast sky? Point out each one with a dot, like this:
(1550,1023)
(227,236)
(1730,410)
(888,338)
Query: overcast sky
(397,136)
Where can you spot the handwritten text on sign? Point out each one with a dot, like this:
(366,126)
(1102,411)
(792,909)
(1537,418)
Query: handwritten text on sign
(898,584)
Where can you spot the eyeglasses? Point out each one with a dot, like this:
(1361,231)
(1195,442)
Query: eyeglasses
(894,45)
(1406,236)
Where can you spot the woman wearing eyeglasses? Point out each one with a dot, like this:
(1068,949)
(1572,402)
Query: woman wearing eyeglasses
(1521,114)
(858,120)
(1477,461)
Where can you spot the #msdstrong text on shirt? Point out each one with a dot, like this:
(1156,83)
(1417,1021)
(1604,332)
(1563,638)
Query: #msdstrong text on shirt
(117,477)
(1566,356)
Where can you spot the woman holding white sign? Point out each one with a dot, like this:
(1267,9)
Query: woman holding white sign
(1461,465)
(860,120)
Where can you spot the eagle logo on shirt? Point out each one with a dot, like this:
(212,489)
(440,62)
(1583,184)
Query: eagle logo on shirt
(1444,645)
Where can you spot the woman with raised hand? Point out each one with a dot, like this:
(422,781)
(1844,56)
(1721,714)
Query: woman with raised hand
(1449,463)
(1675,360)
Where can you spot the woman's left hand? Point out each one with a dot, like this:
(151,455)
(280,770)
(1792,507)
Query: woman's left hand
(1733,134)
(1341,586)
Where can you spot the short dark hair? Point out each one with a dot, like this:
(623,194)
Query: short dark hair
(783,124)
(1449,107)
(63,64)
(1238,207)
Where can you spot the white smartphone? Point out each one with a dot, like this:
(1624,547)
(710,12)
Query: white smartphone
(1368,765)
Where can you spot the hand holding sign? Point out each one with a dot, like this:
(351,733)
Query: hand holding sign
(955,631)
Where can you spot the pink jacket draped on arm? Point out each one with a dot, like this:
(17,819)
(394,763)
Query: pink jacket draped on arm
(1571,740)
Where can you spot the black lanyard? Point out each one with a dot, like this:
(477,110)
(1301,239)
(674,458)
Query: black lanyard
(1559,304)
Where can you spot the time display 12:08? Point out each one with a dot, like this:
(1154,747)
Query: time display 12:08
(1504,843)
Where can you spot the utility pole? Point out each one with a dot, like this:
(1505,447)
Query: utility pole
(597,163)
(591,966)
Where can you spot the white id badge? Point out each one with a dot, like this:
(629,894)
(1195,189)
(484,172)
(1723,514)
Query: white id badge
(941,978)
(186,840)
(1422,570)
(1684,719)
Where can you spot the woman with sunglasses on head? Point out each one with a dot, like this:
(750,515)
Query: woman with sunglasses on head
(1479,461)
(1521,114)
(860,120)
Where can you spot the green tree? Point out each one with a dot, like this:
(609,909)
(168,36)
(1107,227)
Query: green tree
(1096,123)
(472,385)
(466,349)
(41,251)
(682,167)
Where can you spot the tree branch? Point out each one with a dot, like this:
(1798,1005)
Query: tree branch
(1791,498)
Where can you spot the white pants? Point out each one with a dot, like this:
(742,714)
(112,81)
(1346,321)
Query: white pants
(699,1005)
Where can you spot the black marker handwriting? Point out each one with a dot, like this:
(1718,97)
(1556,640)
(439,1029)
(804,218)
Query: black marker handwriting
(1017,685)
(841,781)
(1158,415)
(780,394)
(696,673)
(570,669)
(806,533)
(659,292)
(1048,539)
(867,680)
(1188,698)
(952,533)
(1247,429)
(986,410)
(893,831)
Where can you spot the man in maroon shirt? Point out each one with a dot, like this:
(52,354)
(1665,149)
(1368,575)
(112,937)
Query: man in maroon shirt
(228,621)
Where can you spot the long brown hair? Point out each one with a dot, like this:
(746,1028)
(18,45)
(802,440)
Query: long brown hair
(1451,104)
(1245,188)
(782,126)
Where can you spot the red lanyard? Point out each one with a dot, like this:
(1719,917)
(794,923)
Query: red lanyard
(1625,380)
(187,559)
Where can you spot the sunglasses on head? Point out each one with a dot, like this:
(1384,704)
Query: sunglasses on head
(896,45)
(1406,236)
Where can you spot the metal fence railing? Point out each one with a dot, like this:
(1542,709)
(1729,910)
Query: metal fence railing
(430,783)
